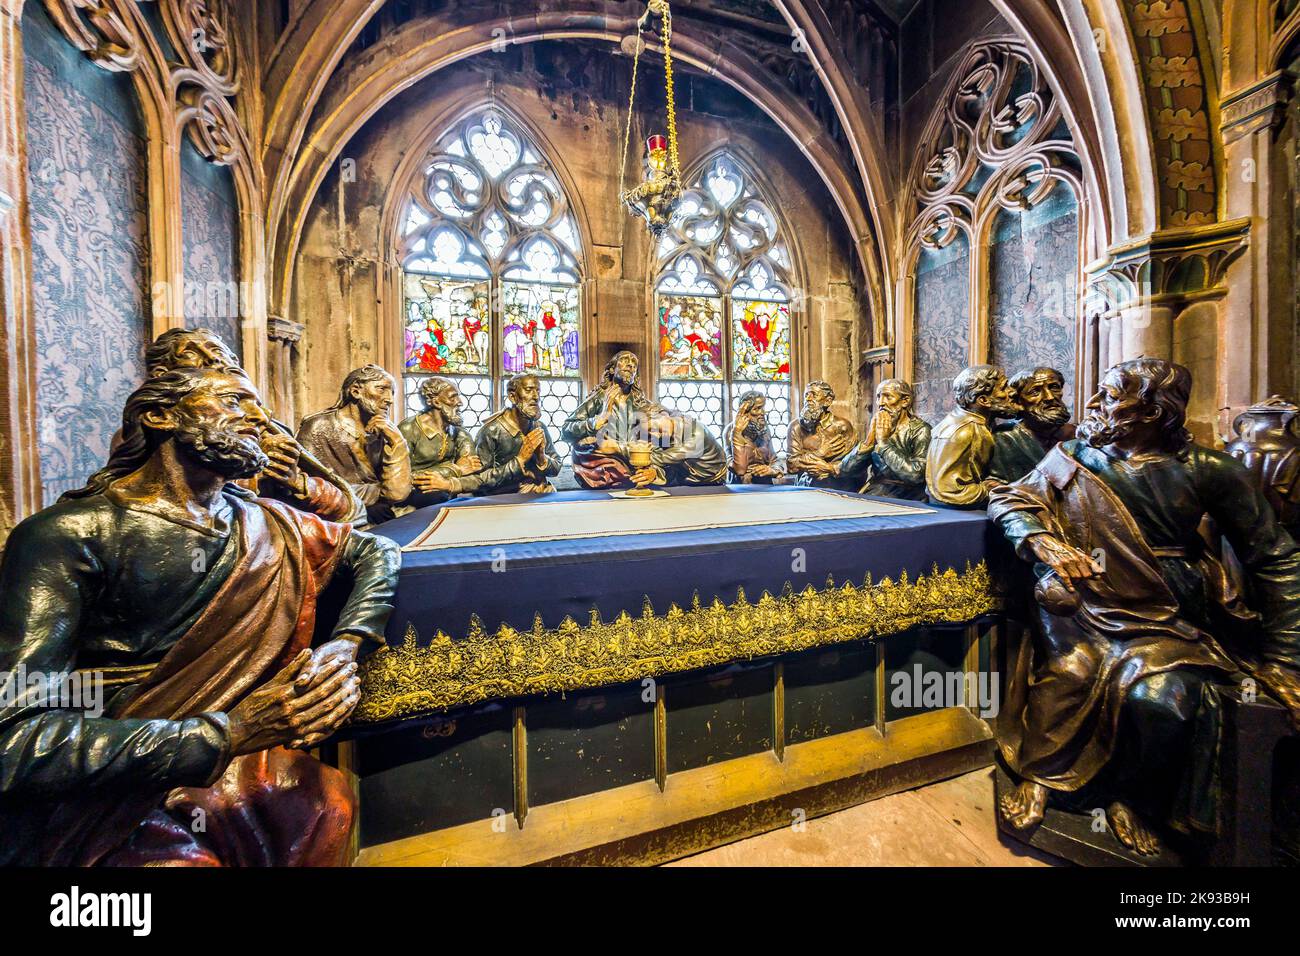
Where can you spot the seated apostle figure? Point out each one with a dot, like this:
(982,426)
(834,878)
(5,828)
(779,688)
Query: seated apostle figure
(443,460)
(607,418)
(1110,704)
(890,459)
(171,616)
(751,455)
(355,440)
(682,451)
(819,441)
(514,445)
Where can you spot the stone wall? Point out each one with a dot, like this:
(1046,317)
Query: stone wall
(572,95)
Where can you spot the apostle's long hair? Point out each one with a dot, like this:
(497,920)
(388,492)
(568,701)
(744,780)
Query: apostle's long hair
(1168,386)
(359,376)
(138,441)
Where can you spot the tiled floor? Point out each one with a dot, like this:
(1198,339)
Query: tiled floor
(945,824)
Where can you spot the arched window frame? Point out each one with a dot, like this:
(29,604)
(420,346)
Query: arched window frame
(720,272)
(494,236)
(986,150)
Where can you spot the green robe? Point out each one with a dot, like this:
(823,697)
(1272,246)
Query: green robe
(437,451)
(895,467)
(90,584)
(499,441)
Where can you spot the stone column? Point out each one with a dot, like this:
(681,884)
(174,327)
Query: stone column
(19,460)
(1259,310)
(1161,297)
(283,337)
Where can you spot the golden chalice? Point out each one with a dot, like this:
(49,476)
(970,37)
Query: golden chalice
(640,455)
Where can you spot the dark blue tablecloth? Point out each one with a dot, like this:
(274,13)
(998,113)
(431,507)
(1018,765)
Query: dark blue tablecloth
(441,589)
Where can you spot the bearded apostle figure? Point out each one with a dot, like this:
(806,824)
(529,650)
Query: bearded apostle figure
(819,441)
(292,474)
(751,457)
(890,459)
(189,606)
(1044,420)
(515,445)
(443,460)
(1134,624)
(355,439)
(961,446)
(607,419)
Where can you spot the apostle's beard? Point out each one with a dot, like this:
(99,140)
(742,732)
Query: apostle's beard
(228,453)
(812,416)
(450,414)
(625,384)
(756,431)
(1099,430)
(528,412)
(370,408)
(1009,409)
(1046,415)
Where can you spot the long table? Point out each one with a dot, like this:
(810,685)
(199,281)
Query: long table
(562,655)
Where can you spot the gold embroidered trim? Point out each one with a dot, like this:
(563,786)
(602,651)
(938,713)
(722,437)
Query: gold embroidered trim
(406,680)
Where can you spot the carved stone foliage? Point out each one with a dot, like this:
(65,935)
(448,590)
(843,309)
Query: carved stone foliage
(997,139)
(1166,48)
(195,64)
(996,176)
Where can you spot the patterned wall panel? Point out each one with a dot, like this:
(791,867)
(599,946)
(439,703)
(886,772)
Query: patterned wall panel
(210,233)
(86,181)
(942,325)
(1034,283)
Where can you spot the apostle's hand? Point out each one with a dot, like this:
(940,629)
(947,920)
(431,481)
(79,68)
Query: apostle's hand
(648,475)
(761,470)
(284,453)
(607,446)
(432,481)
(379,425)
(1069,563)
(469,464)
(882,426)
(279,714)
(534,440)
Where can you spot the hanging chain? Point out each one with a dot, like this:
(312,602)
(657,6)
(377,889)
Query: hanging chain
(672,108)
(631,104)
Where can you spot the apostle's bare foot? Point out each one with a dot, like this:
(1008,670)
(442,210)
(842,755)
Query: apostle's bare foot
(1023,807)
(1131,831)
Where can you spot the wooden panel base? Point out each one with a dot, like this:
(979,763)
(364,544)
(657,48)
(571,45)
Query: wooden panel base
(711,805)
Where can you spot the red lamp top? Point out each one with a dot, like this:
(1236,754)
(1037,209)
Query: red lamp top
(656,142)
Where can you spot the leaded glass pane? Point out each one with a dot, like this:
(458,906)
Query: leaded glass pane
(724,233)
(700,400)
(539,329)
(489,243)
(760,343)
(690,337)
(447,325)
(560,397)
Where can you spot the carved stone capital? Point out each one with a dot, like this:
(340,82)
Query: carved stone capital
(280,329)
(1173,267)
(1257,107)
(880,355)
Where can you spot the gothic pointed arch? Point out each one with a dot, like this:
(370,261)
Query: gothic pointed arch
(490,261)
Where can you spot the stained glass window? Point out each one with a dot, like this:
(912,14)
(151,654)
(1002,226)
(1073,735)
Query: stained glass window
(491,271)
(724,265)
